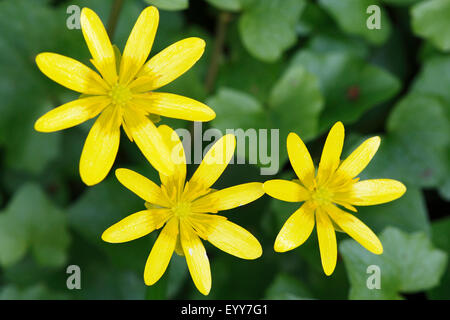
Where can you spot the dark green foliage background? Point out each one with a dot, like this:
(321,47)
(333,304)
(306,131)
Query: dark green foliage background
(289,64)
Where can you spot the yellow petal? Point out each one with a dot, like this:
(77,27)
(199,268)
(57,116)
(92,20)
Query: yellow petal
(359,158)
(296,230)
(286,190)
(139,44)
(136,225)
(300,159)
(230,237)
(161,253)
(214,162)
(355,229)
(327,241)
(171,63)
(100,148)
(71,114)
(196,258)
(149,140)
(70,73)
(229,198)
(346,205)
(99,44)
(331,153)
(141,186)
(376,191)
(179,248)
(177,156)
(174,106)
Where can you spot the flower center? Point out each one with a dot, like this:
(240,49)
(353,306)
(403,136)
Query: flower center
(321,195)
(181,209)
(119,95)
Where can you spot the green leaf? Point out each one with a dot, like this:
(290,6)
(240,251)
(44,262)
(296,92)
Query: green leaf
(434,79)
(29,150)
(349,84)
(243,113)
(413,137)
(444,188)
(287,287)
(13,241)
(31,221)
(36,292)
(430,20)
(267,27)
(441,238)
(169,4)
(401,2)
(295,104)
(409,264)
(230,5)
(337,42)
(352,18)
(235,109)
(245,73)
(432,125)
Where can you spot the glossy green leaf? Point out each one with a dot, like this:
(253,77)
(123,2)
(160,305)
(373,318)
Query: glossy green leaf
(169,4)
(410,263)
(286,287)
(349,84)
(32,222)
(352,17)
(400,2)
(413,137)
(295,105)
(235,109)
(434,78)
(430,21)
(230,5)
(267,27)
(35,292)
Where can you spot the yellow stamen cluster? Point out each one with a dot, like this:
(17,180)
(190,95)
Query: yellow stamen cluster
(120,95)
(321,195)
(181,209)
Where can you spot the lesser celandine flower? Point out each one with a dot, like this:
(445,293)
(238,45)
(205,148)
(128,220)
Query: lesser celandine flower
(121,93)
(335,185)
(184,208)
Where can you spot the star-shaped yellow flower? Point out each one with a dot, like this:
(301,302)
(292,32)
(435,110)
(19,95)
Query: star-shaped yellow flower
(120,94)
(184,207)
(334,185)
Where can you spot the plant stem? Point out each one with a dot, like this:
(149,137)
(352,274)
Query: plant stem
(221,31)
(114,17)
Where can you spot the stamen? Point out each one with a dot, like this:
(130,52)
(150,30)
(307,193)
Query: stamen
(120,95)
(181,209)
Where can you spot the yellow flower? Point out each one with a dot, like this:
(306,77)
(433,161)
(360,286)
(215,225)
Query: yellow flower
(183,208)
(334,185)
(120,94)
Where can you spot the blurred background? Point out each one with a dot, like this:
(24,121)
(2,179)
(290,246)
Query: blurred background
(290,64)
